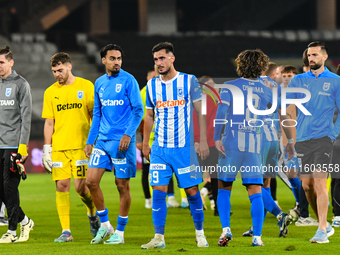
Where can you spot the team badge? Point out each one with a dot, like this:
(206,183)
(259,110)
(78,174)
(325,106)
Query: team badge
(118,87)
(8,92)
(80,94)
(326,86)
(180,92)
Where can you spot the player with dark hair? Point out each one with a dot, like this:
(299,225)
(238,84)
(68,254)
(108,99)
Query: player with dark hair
(68,105)
(240,146)
(15,125)
(172,96)
(315,133)
(118,111)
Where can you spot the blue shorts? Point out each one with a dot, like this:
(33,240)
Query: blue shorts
(294,163)
(181,161)
(270,157)
(249,164)
(106,155)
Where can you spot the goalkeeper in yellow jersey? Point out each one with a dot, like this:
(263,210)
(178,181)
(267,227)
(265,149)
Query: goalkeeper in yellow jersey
(68,105)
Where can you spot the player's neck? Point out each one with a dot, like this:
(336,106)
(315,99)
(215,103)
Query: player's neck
(70,80)
(171,74)
(317,72)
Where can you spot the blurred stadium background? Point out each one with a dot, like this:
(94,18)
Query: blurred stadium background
(207,37)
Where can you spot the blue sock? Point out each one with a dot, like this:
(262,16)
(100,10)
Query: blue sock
(103,216)
(159,211)
(171,194)
(265,210)
(269,203)
(122,221)
(296,184)
(256,210)
(196,209)
(224,206)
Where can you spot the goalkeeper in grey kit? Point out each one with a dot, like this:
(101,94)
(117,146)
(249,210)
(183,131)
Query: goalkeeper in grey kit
(15,125)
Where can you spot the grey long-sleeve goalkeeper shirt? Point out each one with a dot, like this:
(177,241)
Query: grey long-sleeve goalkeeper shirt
(15,111)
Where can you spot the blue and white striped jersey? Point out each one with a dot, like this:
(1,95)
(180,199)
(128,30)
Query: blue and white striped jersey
(271,127)
(172,102)
(238,134)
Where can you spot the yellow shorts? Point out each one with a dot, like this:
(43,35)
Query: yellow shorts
(66,164)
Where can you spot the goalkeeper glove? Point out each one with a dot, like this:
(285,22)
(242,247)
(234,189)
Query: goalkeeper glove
(46,159)
(17,164)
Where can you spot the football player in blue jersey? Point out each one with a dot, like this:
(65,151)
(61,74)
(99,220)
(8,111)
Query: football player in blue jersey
(240,146)
(117,113)
(172,97)
(315,132)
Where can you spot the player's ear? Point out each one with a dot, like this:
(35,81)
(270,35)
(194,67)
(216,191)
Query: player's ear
(69,66)
(325,57)
(173,58)
(104,61)
(11,62)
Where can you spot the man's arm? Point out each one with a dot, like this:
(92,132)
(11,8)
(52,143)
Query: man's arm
(136,114)
(25,105)
(148,125)
(202,122)
(289,149)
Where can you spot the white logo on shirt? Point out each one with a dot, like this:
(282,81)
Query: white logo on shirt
(8,92)
(326,86)
(118,87)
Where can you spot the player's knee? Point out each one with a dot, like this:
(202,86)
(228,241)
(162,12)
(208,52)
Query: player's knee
(91,184)
(122,187)
(308,186)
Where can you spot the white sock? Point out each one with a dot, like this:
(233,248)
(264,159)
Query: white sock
(212,202)
(89,215)
(204,191)
(68,230)
(105,224)
(279,216)
(148,200)
(2,210)
(12,232)
(120,233)
(224,230)
(160,236)
(25,221)
(184,199)
(199,232)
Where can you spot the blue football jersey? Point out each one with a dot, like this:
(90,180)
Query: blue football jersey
(118,107)
(172,102)
(325,97)
(238,134)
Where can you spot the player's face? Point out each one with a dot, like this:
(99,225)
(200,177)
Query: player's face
(113,61)
(61,72)
(286,77)
(316,57)
(5,66)
(163,61)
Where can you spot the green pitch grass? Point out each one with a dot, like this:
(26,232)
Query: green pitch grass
(38,202)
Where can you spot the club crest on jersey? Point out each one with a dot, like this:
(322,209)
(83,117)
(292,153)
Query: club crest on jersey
(8,92)
(180,92)
(326,86)
(118,87)
(80,94)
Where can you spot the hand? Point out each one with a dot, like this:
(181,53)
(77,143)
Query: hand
(139,146)
(46,159)
(88,150)
(124,143)
(197,147)
(204,150)
(219,146)
(289,150)
(146,151)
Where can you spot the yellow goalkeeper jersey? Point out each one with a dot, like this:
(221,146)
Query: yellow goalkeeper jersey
(70,106)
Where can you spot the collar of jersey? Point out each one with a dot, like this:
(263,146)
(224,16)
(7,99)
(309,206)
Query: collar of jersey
(12,76)
(324,73)
(160,77)
(115,75)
